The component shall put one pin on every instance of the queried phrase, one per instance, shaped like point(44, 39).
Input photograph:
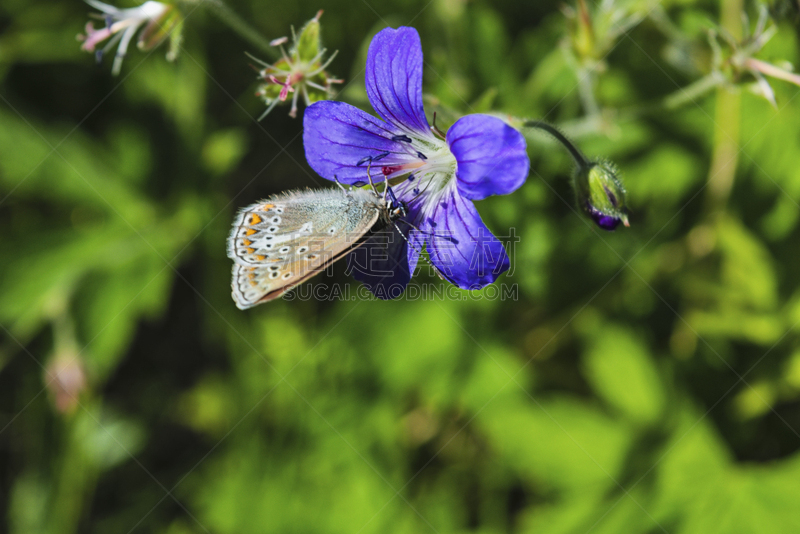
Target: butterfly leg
point(369, 177)
point(336, 179)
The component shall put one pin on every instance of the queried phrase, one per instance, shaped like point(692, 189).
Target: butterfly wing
point(282, 241)
point(385, 262)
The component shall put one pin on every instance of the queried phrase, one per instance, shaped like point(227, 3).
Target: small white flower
point(122, 24)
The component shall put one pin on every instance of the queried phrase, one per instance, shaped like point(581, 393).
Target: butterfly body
point(284, 240)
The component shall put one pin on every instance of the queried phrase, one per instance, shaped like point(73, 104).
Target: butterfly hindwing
point(278, 243)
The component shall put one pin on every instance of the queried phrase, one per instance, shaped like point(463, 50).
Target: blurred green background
point(646, 380)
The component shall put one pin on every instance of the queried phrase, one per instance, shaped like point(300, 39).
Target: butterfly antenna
point(414, 227)
point(419, 251)
point(399, 231)
point(432, 234)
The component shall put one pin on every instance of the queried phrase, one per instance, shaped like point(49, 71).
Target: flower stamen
point(286, 87)
point(435, 129)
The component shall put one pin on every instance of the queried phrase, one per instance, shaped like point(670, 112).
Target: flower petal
point(460, 246)
point(339, 140)
point(491, 156)
point(394, 79)
point(105, 8)
point(385, 262)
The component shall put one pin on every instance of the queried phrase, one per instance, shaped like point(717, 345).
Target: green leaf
point(561, 444)
point(622, 371)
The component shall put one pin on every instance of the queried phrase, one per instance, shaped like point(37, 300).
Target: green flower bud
point(308, 43)
point(300, 71)
point(65, 378)
point(600, 194)
point(735, 58)
point(598, 188)
point(581, 32)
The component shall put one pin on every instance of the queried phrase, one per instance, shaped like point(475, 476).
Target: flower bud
point(598, 189)
point(65, 378)
point(581, 32)
point(600, 194)
point(300, 71)
point(735, 58)
point(308, 43)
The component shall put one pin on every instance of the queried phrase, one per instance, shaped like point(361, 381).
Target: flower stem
point(237, 24)
point(586, 91)
point(600, 121)
point(574, 151)
point(685, 95)
point(772, 70)
point(693, 91)
point(725, 156)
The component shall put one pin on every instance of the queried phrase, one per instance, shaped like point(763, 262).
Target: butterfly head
point(396, 208)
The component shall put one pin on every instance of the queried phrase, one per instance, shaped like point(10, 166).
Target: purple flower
point(439, 177)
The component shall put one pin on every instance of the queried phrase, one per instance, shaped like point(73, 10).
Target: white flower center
point(433, 165)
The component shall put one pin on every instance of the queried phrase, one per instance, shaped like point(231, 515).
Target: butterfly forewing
point(280, 242)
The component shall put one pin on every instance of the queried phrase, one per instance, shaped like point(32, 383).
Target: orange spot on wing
point(250, 231)
point(250, 250)
point(247, 242)
point(267, 207)
point(255, 220)
point(260, 257)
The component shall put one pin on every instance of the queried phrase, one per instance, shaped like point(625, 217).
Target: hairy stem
point(727, 116)
point(586, 79)
point(577, 155)
point(237, 24)
point(693, 91)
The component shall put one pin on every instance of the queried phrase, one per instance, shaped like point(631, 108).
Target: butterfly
point(286, 239)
